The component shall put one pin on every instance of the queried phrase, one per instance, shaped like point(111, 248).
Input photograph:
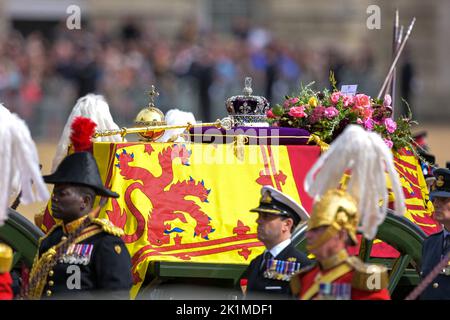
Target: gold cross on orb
point(153, 94)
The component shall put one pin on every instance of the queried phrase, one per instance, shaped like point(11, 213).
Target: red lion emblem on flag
point(168, 198)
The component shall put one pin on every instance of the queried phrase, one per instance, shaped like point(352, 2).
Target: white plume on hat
point(176, 117)
point(91, 106)
point(368, 158)
point(19, 164)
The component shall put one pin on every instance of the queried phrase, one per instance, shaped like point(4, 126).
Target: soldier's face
point(271, 228)
point(329, 247)
point(442, 210)
point(67, 202)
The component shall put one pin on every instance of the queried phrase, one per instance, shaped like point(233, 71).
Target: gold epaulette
point(108, 227)
point(6, 258)
point(368, 277)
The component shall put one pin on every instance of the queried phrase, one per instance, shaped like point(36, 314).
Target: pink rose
point(335, 97)
point(348, 100)
point(294, 100)
point(387, 100)
point(290, 102)
point(390, 125)
point(389, 143)
point(366, 113)
point(361, 100)
point(297, 112)
point(331, 112)
point(359, 121)
point(368, 124)
point(270, 114)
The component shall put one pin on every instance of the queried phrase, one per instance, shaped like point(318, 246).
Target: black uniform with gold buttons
point(85, 258)
point(439, 289)
point(96, 265)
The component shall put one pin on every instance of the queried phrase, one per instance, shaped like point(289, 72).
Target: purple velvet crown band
point(256, 135)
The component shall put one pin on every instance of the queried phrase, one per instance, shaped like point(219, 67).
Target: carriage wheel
point(404, 236)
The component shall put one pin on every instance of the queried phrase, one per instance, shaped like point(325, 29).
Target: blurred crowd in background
point(42, 75)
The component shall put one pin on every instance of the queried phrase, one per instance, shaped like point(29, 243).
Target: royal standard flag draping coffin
point(419, 208)
point(191, 202)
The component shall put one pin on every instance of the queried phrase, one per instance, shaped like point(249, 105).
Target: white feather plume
point(19, 164)
point(176, 117)
point(368, 158)
point(95, 108)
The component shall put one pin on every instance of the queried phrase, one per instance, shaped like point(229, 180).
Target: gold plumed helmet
point(360, 162)
point(151, 116)
point(338, 210)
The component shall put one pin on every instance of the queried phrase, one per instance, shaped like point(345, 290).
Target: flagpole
point(397, 56)
point(392, 79)
point(395, 46)
point(394, 50)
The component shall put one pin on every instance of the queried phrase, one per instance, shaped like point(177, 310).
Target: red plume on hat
point(83, 130)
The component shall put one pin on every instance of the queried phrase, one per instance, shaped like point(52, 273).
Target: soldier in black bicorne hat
point(82, 257)
point(268, 275)
point(437, 245)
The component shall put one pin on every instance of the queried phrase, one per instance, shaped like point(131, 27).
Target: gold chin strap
point(331, 231)
point(334, 260)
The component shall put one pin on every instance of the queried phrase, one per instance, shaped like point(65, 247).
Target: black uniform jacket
point(431, 256)
point(97, 265)
point(260, 287)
